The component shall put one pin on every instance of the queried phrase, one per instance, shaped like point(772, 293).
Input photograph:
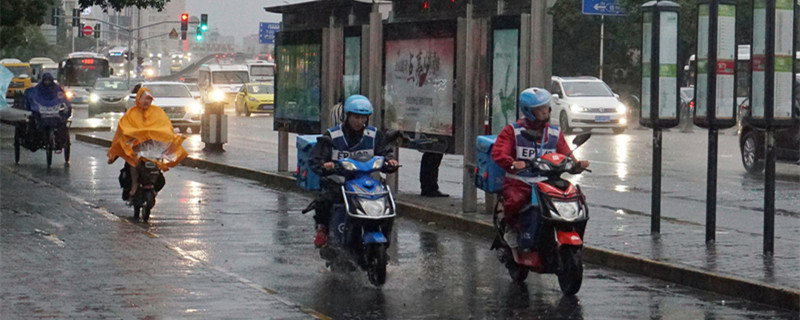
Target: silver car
point(108, 95)
point(177, 102)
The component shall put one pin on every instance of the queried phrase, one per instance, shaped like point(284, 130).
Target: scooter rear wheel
point(149, 202)
point(570, 273)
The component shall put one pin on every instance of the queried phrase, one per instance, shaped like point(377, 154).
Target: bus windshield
point(229, 77)
point(83, 72)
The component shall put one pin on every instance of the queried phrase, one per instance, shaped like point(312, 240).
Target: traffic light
point(76, 17)
point(204, 22)
point(184, 25)
point(97, 31)
point(199, 34)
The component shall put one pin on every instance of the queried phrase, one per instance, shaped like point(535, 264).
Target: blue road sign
point(266, 32)
point(602, 8)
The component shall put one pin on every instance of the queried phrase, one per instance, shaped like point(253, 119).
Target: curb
point(684, 275)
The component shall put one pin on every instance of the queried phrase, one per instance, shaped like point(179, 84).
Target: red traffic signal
point(184, 25)
point(184, 17)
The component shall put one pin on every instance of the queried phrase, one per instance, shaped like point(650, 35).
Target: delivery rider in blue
point(352, 138)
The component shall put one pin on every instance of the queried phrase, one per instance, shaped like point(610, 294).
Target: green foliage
point(118, 5)
point(20, 36)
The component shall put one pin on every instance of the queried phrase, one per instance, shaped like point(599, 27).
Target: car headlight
point(149, 72)
point(252, 99)
point(621, 108)
point(195, 108)
point(216, 95)
point(377, 164)
point(70, 94)
point(349, 166)
point(93, 98)
point(575, 108)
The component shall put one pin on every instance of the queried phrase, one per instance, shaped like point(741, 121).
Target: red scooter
point(561, 206)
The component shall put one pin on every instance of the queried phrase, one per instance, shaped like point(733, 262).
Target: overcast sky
point(236, 17)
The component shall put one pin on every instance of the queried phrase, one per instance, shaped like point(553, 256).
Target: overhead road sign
point(266, 32)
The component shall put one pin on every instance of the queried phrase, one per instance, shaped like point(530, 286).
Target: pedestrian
point(353, 137)
point(429, 174)
point(535, 106)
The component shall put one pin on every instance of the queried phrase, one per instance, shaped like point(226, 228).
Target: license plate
point(602, 118)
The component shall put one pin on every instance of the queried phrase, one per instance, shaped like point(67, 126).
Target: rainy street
point(228, 247)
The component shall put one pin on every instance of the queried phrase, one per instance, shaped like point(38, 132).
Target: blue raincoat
point(48, 103)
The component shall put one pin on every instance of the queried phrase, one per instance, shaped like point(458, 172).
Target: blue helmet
point(358, 104)
point(533, 98)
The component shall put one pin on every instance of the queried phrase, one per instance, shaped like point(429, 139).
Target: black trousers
point(429, 171)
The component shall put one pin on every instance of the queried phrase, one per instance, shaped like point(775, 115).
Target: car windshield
point(587, 89)
point(110, 85)
point(169, 91)
point(230, 77)
point(260, 89)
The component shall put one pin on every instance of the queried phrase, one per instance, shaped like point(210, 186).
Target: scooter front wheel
point(570, 273)
point(149, 200)
point(376, 268)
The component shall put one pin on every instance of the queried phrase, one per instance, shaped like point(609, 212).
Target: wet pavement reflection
point(259, 234)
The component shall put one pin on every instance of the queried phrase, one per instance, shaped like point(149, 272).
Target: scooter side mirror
point(532, 135)
point(581, 138)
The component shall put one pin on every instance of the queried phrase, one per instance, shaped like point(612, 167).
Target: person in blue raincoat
point(49, 107)
point(45, 99)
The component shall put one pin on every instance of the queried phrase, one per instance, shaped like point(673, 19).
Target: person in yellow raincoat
point(145, 123)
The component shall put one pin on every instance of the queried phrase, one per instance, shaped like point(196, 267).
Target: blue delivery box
point(488, 175)
point(306, 178)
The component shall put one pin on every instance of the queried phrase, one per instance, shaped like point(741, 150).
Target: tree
point(19, 27)
point(118, 5)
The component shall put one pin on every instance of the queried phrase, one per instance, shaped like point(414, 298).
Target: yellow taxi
point(21, 79)
point(255, 97)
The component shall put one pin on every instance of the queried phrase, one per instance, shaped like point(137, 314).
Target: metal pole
point(602, 34)
point(769, 112)
point(465, 90)
point(283, 151)
point(711, 191)
point(769, 193)
point(713, 133)
point(655, 218)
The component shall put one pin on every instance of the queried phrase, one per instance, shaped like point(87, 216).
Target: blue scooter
point(361, 226)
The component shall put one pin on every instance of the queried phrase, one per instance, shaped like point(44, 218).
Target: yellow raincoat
point(138, 125)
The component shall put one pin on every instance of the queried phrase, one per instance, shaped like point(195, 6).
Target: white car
point(174, 97)
point(587, 103)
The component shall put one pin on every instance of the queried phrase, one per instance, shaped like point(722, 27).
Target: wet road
point(259, 235)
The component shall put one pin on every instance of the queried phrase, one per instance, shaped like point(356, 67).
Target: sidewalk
point(733, 266)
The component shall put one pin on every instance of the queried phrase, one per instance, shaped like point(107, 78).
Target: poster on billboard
point(297, 102)
point(419, 80)
point(505, 65)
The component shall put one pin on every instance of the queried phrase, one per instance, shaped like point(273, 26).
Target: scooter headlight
point(567, 210)
point(70, 94)
point(373, 208)
point(349, 166)
point(544, 166)
point(377, 164)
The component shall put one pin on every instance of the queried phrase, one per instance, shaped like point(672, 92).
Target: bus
point(221, 82)
point(78, 72)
